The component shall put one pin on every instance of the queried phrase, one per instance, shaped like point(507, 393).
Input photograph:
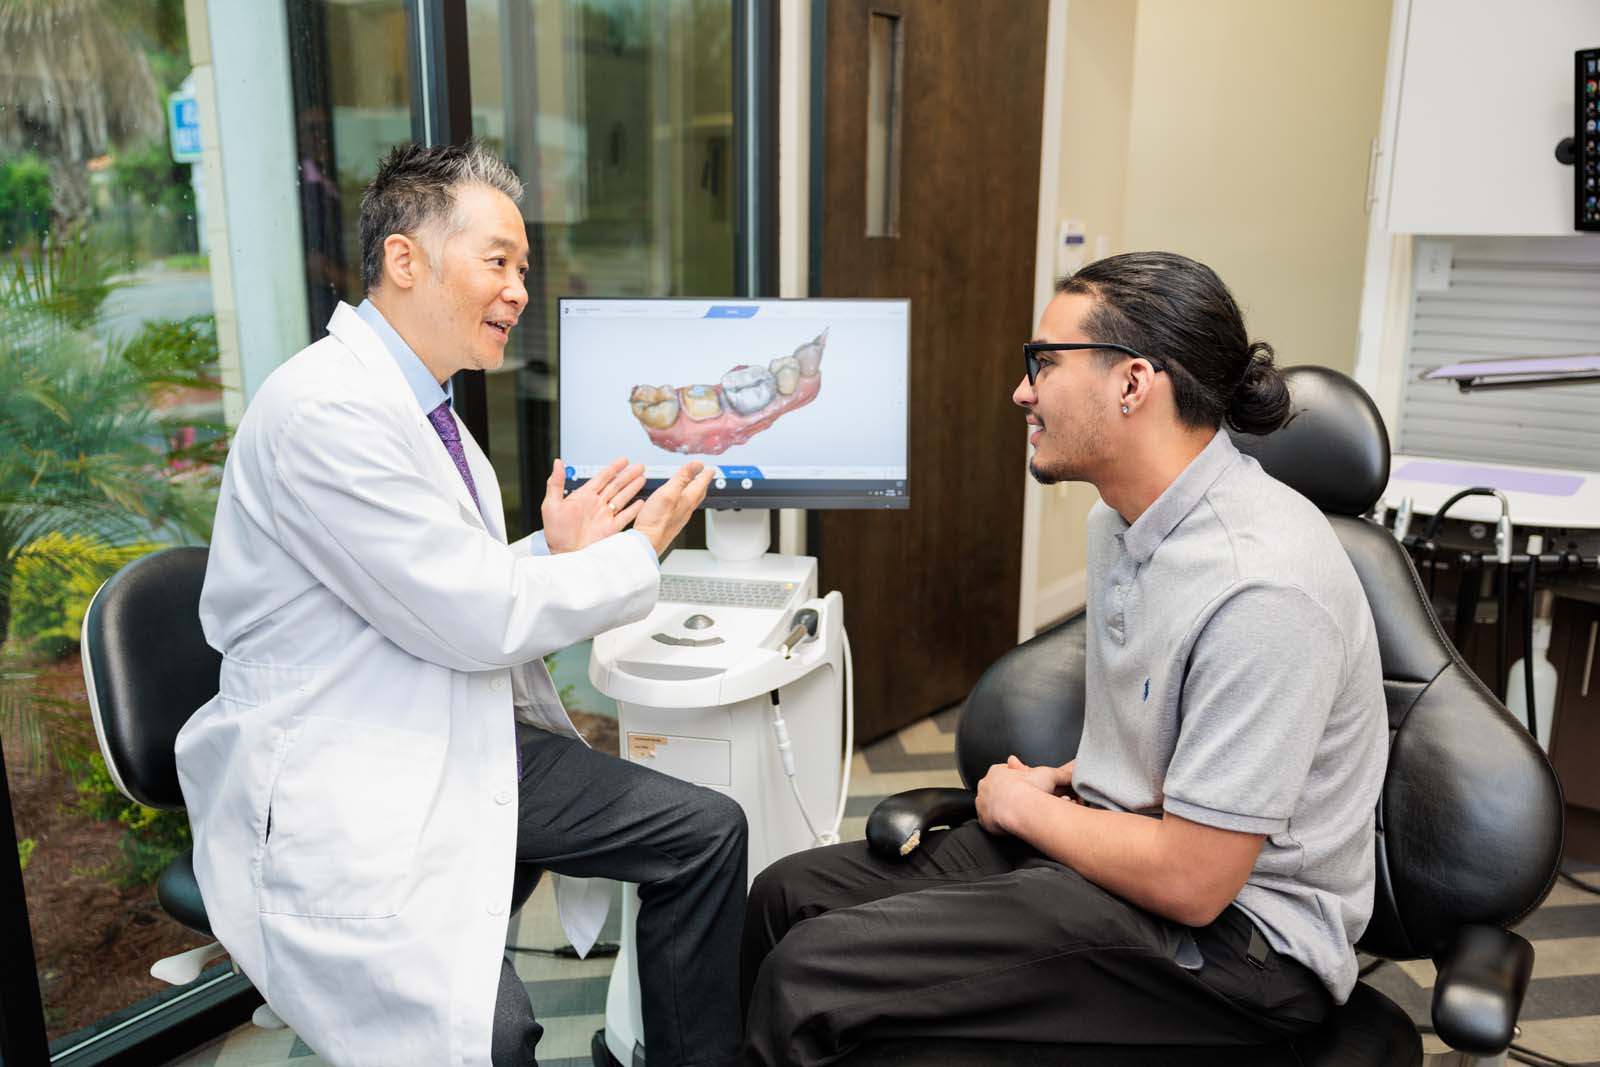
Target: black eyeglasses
point(1031, 350)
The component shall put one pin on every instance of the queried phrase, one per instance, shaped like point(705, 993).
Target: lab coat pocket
point(345, 818)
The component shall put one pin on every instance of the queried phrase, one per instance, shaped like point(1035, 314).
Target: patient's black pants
point(978, 936)
point(591, 815)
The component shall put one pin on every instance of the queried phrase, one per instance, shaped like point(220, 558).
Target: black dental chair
point(148, 668)
point(1469, 827)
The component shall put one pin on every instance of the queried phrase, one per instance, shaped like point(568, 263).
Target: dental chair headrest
point(1335, 451)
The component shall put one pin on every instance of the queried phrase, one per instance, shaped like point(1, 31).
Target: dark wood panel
point(931, 594)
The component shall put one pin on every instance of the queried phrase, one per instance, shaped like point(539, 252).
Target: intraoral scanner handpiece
point(805, 626)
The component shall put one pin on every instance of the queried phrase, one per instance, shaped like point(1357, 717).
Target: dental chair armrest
point(1479, 989)
point(896, 826)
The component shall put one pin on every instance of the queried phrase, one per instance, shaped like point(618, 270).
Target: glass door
point(620, 117)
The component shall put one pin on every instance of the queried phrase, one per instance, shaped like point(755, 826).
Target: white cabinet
point(1485, 93)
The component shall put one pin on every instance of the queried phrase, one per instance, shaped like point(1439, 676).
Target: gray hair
point(415, 187)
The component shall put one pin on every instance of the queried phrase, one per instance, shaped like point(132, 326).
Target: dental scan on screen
point(789, 396)
point(707, 420)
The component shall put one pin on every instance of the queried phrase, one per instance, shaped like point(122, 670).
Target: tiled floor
point(1560, 1018)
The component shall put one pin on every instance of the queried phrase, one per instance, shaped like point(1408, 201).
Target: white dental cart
point(693, 684)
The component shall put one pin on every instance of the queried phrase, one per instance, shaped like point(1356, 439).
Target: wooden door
point(931, 594)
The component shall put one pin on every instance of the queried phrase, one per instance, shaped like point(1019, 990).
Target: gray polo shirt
point(1233, 680)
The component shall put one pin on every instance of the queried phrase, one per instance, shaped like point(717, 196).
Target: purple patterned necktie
point(445, 426)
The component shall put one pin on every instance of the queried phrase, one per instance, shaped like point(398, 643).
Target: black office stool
point(1470, 821)
point(148, 668)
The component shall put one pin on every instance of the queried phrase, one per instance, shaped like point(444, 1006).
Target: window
point(619, 118)
point(111, 439)
point(150, 182)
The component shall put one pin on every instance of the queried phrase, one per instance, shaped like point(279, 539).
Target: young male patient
point(1209, 878)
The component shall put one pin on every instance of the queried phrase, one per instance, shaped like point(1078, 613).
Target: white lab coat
point(352, 787)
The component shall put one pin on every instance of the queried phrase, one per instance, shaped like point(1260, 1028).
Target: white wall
point(1238, 132)
point(1252, 128)
point(241, 67)
point(1091, 189)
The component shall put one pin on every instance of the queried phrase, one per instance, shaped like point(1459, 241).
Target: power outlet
point(1432, 264)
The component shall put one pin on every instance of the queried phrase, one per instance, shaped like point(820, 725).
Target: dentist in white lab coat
point(361, 786)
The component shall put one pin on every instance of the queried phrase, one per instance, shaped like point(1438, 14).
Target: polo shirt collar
point(429, 393)
point(1176, 502)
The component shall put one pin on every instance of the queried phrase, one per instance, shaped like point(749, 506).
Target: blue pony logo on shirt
point(1146, 690)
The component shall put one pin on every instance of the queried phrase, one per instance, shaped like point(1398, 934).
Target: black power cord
point(1520, 1053)
point(601, 950)
point(1524, 1054)
point(1569, 877)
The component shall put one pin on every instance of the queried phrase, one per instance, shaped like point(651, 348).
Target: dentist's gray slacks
point(590, 815)
point(978, 936)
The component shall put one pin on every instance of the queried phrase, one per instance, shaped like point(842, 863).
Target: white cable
point(816, 838)
point(849, 735)
point(780, 732)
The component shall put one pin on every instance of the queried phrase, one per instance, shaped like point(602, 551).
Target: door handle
point(885, 78)
point(1371, 197)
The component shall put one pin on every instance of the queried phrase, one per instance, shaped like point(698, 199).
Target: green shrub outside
point(152, 212)
point(188, 261)
point(101, 445)
point(171, 349)
point(49, 597)
point(151, 838)
point(24, 200)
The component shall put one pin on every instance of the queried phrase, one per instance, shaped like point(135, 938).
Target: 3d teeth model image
point(707, 420)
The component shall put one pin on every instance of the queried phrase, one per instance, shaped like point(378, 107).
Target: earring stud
point(1124, 409)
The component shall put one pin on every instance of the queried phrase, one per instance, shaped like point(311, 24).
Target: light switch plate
point(1070, 247)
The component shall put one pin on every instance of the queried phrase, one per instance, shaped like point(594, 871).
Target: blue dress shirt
point(430, 394)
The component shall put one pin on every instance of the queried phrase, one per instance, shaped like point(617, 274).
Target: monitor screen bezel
point(809, 495)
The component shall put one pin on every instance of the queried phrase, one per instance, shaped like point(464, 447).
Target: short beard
point(1087, 447)
point(1045, 476)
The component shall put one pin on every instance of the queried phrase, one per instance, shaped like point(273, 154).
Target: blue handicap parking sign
point(183, 127)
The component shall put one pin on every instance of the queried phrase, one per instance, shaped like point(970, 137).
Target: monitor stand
point(737, 547)
point(738, 536)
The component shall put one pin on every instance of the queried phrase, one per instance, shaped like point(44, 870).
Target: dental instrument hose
point(1437, 517)
point(1535, 546)
point(1502, 550)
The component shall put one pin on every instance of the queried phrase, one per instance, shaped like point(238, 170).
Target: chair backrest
point(148, 668)
point(1470, 817)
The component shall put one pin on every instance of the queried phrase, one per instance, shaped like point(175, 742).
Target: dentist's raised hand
point(602, 506)
point(670, 506)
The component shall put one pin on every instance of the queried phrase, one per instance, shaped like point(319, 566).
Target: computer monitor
point(797, 403)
